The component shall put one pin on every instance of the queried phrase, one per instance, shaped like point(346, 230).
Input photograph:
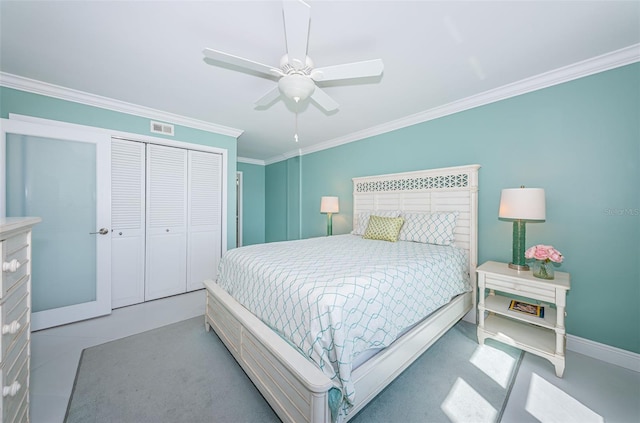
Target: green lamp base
point(519, 231)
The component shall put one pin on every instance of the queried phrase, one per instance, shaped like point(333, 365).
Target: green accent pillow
point(362, 219)
point(383, 228)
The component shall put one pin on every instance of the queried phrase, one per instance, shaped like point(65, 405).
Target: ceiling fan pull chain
point(295, 137)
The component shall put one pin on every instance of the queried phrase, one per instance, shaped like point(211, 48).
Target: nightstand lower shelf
point(500, 305)
point(534, 339)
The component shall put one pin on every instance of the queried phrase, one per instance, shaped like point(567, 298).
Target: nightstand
point(545, 336)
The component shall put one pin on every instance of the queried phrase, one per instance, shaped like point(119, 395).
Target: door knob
point(102, 231)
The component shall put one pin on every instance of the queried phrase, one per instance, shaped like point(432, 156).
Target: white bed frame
point(295, 387)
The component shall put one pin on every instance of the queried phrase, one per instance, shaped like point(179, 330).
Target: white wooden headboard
point(445, 189)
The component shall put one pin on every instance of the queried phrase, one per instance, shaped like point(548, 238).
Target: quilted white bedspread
point(334, 297)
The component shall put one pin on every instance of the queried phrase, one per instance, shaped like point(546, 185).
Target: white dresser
point(15, 316)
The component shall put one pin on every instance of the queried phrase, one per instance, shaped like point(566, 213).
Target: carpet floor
point(181, 373)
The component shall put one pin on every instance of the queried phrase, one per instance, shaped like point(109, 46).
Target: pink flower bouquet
point(544, 253)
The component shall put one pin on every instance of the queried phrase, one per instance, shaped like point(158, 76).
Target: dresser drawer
point(14, 310)
point(14, 266)
point(510, 286)
point(15, 389)
point(16, 353)
point(15, 243)
point(15, 377)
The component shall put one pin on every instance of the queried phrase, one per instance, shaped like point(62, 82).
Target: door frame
point(102, 304)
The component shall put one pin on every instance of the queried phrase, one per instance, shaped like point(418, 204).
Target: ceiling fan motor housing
point(295, 65)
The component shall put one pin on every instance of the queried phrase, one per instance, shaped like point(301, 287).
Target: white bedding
point(335, 297)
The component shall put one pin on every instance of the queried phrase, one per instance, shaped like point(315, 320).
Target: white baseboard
point(619, 357)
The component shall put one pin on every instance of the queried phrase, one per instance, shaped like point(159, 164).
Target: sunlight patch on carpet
point(548, 403)
point(496, 364)
point(464, 404)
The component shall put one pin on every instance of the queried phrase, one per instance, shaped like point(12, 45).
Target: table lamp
point(329, 205)
point(521, 205)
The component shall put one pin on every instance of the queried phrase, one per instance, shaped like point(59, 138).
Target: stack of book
point(526, 308)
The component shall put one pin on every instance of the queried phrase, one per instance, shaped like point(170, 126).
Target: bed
point(305, 379)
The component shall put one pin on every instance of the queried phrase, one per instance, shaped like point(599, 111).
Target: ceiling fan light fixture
point(296, 87)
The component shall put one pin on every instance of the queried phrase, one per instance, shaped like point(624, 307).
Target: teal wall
point(282, 188)
point(276, 203)
point(580, 141)
point(253, 205)
point(24, 103)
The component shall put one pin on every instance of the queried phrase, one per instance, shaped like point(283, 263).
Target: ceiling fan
point(296, 75)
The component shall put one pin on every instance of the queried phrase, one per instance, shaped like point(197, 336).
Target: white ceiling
point(149, 53)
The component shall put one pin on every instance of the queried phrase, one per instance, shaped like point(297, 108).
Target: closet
point(166, 220)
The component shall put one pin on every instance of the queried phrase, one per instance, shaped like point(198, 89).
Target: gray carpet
point(180, 373)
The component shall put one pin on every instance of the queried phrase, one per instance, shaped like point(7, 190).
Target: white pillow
point(362, 219)
point(429, 228)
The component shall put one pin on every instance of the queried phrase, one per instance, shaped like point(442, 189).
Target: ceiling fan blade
point(241, 62)
point(296, 29)
point(323, 100)
point(348, 70)
point(268, 98)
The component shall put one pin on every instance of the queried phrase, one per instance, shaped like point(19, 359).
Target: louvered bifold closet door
point(166, 221)
point(205, 217)
point(127, 222)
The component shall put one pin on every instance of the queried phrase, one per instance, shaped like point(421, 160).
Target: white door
point(63, 176)
point(205, 218)
point(166, 252)
point(127, 222)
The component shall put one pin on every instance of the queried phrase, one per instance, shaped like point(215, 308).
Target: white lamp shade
point(329, 205)
point(523, 204)
point(296, 87)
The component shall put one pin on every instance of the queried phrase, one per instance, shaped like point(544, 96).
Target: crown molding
point(285, 156)
point(250, 161)
point(50, 90)
point(608, 61)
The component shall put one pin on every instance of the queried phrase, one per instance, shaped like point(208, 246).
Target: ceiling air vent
point(162, 128)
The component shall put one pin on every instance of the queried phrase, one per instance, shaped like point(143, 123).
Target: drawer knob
point(11, 390)
point(11, 328)
point(11, 266)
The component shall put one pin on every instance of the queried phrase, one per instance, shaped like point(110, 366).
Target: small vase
point(542, 269)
